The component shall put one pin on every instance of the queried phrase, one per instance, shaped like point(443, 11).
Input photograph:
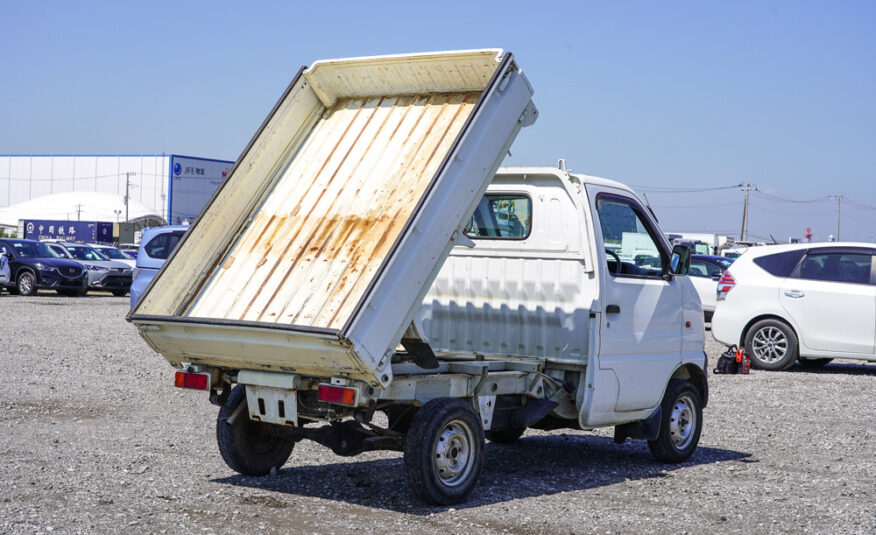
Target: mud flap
point(647, 429)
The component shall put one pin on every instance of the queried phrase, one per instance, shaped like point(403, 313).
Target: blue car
point(34, 266)
point(156, 244)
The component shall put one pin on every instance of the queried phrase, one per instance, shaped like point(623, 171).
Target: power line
point(771, 197)
point(776, 212)
point(698, 205)
point(657, 189)
point(856, 204)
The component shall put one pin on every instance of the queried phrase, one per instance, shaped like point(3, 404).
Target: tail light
point(338, 395)
point(195, 381)
point(725, 284)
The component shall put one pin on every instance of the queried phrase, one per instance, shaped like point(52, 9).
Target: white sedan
point(812, 302)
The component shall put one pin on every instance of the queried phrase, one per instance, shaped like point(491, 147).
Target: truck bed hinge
point(420, 351)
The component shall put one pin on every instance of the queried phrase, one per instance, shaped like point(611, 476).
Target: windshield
point(114, 254)
point(85, 253)
point(25, 249)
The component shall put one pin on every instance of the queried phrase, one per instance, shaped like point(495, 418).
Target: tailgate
point(319, 247)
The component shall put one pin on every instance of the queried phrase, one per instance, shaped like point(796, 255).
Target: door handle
point(796, 294)
point(612, 309)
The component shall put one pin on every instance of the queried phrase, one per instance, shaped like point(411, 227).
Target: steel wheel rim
point(25, 285)
point(682, 422)
point(453, 456)
point(769, 344)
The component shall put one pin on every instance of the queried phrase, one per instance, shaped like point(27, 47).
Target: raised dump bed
point(316, 252)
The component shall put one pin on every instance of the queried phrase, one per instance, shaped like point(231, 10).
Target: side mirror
point(679, 263)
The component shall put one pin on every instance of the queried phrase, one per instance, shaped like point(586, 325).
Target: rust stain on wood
point(334, 213)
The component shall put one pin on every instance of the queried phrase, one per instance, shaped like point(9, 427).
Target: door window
point(836, 267)
point(628, 239)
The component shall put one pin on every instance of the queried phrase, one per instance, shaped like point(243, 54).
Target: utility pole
point(839, 199)
point(128, 176)
point(746, 187)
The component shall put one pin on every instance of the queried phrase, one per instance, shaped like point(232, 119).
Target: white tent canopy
point(78, 206)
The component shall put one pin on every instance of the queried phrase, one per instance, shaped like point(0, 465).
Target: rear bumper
point(728, 323)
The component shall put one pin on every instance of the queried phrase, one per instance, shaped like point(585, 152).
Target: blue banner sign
point(81, 231)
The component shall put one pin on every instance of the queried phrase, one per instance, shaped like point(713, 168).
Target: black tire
point(814, 364)
point(681, 423)
point(120, 293)
point(27, 283)
point(444, 451)
point(771, 345)
point(505, 436)
point(247, 446)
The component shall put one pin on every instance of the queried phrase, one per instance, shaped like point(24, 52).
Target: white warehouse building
point(176, 187)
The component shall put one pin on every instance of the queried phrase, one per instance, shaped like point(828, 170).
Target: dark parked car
point(33, 266)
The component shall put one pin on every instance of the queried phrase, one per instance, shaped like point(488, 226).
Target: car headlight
point(96, 268)
point(44, 267)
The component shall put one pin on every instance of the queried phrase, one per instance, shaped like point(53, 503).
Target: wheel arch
point(697, 376)
point(25, 269)
point(762, 317)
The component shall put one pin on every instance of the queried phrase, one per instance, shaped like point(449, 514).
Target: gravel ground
point(95, 439)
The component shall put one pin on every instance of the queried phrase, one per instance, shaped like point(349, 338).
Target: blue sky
point(658, 95)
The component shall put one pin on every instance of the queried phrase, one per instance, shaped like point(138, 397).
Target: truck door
point(642, 312)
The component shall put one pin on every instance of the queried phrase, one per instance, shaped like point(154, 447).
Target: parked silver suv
point(103, 273)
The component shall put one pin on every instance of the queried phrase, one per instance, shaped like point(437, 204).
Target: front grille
point(68, 271)
point(117, 281)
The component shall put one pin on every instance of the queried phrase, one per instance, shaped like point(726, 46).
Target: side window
point(162, 245)
point(501, 217)
point(836, 267)
point(628, 239)
point(780, 264)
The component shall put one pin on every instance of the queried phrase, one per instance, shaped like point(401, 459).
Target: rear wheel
point(444, 451)
point(247, 446)
point(772, 345)
point(26, 283)
point(681, 423)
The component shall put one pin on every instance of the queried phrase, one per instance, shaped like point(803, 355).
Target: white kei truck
point(367, 255)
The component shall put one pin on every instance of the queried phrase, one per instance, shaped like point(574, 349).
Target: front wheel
point(772, 345)
point(681, 423)
point(444, 451)
point(247, 446)
point(27, 283)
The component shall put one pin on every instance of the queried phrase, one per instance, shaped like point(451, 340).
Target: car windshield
point(114, 254)
point(25, 249)
point(85, 253)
